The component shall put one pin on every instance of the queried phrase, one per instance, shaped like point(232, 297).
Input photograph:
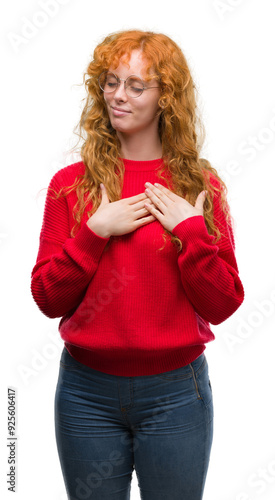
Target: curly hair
point(180, 128)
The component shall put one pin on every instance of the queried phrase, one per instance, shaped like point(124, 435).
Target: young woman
point(137, 256)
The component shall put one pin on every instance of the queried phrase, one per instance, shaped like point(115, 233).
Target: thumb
point(104, 198)
point(200, 201)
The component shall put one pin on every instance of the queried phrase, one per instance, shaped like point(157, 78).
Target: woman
point(137, 256)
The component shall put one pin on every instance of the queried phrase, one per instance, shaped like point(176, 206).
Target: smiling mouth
point(120, 111)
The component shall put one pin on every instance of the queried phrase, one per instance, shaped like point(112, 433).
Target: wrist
point(98, 230)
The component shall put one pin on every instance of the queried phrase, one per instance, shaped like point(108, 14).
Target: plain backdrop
point(45, 49)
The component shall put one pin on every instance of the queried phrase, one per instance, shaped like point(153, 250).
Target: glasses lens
point(134, 86)
point(107, 82)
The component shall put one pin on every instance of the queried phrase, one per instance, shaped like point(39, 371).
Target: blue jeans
point(107, 425)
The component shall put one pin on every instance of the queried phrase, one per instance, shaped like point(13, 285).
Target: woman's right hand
point(119, 217)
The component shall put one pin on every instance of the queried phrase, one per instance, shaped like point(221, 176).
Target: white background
point(230, 48)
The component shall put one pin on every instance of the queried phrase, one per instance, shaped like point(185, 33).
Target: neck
point(140, 147)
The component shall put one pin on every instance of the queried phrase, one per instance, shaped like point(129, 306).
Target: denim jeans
point(108, 425)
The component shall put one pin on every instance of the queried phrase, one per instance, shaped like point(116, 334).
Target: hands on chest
point(169, 208)
point(126, 215)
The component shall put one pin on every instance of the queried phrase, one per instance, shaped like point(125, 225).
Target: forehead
point(132, 64)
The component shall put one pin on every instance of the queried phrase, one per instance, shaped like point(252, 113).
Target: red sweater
point(133, 310)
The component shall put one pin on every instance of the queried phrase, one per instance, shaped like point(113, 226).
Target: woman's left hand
point(169, 208)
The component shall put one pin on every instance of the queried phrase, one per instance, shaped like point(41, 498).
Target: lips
point(120, 111)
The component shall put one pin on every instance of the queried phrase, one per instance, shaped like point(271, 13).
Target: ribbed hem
point(137, 363)
point(191, 228)
point(89, 243)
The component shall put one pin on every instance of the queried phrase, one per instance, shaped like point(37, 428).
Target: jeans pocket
point(184, 372)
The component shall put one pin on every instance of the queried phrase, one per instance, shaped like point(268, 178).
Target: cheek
point(151, 104)
point(151, 109)
point(106, 99)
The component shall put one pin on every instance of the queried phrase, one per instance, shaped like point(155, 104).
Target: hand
point(119, 217)
point(169, 208)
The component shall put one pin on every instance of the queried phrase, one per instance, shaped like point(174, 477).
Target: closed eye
point(111, 85)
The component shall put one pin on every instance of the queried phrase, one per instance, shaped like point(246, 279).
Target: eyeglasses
point(133, 85)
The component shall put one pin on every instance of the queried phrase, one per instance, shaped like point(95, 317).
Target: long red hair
point(180, 128)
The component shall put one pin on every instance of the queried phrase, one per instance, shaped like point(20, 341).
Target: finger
point(140, 205)
point(104, 194)
point(155, 199)
point(154, 211)
point(200, 201)
point(165, 191)
point(149, 218)
point(141, 212)
point(136, 198)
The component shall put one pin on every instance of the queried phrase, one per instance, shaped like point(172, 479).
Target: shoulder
point(217, 189)
point(218, 193)
point(214, 181)
point(211, 175)
point(66, 176)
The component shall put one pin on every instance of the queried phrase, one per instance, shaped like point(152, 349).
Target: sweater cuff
point(89, 243)
point(192, 229)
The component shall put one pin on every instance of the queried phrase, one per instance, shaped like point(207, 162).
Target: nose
point(120, 93)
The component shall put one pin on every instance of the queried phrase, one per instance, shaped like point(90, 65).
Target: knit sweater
point(128, 308)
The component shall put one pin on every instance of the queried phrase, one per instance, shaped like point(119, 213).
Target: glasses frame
point(119, 80)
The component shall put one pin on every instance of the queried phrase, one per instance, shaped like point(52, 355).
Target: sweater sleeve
point(209, 271)
point(64, 265)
